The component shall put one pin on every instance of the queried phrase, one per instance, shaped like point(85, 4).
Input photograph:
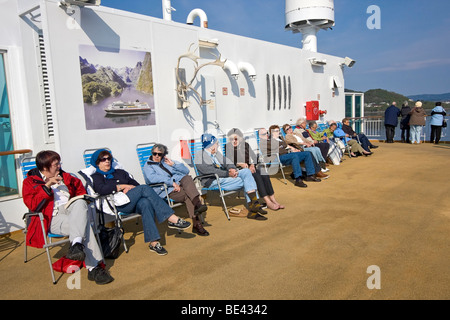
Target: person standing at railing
point(391, 121)
point(437, 121)
point(404, 123)
point(416, 122)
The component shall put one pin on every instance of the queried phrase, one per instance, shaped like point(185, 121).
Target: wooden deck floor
point(390, 210)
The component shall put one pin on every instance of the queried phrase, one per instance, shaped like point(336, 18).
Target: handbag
point(110, 238)
point(444, 124)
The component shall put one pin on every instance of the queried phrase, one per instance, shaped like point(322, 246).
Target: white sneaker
point(325, 170)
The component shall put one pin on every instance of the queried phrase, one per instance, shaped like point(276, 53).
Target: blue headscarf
point(94, 158)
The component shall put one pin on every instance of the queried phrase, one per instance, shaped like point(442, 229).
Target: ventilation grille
point(47, 104)
point(278, 90)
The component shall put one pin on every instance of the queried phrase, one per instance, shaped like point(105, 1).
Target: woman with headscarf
point(142, 198)
point(180, 186)
point(244, 157)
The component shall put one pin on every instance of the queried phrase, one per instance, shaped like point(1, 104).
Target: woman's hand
point(168, 161)
point(124, 187)
point(233, 173)
point(176, 187)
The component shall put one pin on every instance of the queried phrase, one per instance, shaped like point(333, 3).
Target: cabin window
point(8, 177)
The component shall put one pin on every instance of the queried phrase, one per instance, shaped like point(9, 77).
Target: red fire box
point(312, 110)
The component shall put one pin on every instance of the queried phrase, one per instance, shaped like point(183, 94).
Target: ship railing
point(373, 128)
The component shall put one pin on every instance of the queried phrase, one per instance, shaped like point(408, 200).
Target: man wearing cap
point(210, 161)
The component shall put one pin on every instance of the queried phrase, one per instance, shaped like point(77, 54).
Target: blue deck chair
point(195, 146)
point(26, 165)
point(144, 151)
point(106, 202)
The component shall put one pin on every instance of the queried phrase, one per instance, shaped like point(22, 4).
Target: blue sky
point(409, 54)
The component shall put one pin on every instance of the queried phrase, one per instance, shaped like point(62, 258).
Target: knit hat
point(418, 104)
point(235, 131)
point(208, 140)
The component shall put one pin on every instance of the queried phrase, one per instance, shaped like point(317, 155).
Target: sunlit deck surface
point(391, 210)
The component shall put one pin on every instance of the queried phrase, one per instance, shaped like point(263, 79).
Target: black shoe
point(180, 225)
point(300, 183)
point(374, 147)
point(312, 178)
point(76, 252)
point(256, 216)
point(158, 248)
point(99, 275)
point(200, 209)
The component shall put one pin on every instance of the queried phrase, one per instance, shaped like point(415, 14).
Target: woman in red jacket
point(48, 189)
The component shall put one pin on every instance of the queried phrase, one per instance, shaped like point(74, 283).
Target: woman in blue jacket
point(437, 120)
point(180, 186)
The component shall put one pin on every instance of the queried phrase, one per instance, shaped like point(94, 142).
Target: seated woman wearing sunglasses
point(143, 198)
point(180, 186)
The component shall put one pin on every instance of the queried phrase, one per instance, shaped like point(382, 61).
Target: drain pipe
point(167, 10)
point(232, 68)
point(247, 67)
point(198, 13)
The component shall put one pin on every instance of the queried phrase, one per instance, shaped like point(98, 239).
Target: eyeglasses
point(263, 134)
point(105, 159)
point(159, 154)
point(55, 165)
point(276, 130)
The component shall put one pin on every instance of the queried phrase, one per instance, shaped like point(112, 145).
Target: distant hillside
point(377, 100)
point(380, 96)
point(432, 97)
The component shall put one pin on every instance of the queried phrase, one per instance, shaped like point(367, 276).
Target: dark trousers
point(435, 134)
point(264, 184)
point(188, 192)
point(405, 133)
point(390, 132)
point(365, 143)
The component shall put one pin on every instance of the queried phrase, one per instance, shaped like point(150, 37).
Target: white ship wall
point(166, 41)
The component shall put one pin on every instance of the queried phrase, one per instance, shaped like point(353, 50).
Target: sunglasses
point(106, 159)
point(159, 154)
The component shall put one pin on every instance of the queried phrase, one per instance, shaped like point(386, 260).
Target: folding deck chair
point(269, 161)
point(195, 146)
point(105, 204)
point(144, 151)
point(26, 165)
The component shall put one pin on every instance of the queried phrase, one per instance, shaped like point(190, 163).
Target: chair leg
point(50, 264)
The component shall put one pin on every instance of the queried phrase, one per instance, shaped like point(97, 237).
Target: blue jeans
point(244, 179)
point(294, 158)
point(415, 133)
point(145, 201)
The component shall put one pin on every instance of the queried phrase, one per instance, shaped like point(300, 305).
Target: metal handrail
point(10, 152)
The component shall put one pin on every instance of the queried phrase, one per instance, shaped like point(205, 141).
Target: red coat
point(34, 193)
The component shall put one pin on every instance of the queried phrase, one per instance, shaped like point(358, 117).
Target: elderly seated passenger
point(50, 185)
point(302, 143)
point(356, 148)
point(289, 156)
point(366, 144)
point(180, 186)
point(140, 198)
point(210, 161)
point(244, 157)
point(300, 131)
